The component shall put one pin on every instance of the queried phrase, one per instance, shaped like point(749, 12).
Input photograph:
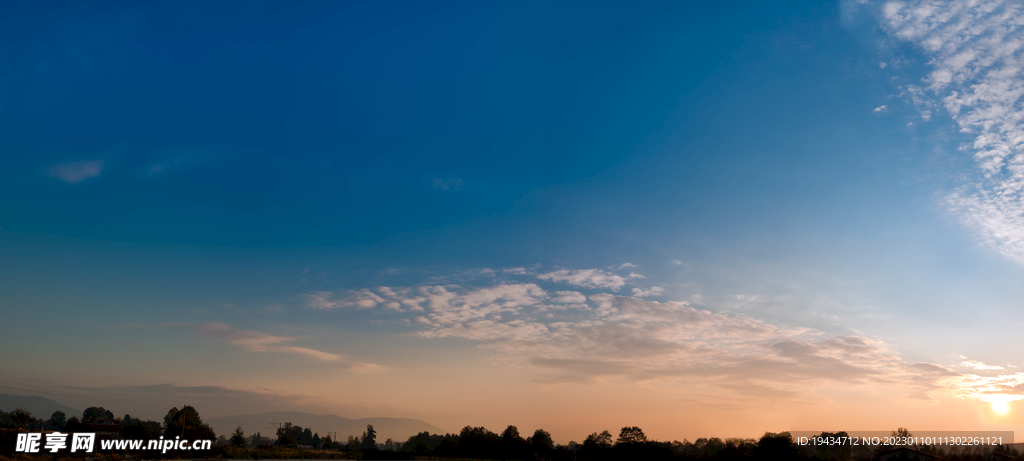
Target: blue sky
point(189, 177)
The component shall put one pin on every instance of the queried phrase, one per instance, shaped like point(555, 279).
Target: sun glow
point(1001, 407)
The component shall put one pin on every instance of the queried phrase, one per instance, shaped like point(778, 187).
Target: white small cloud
point(75, 172)
point(570, 297)
point(654, 291)
point(451, 183)
point(590, 278)
point(883, 65)
point(626, 266)
point(980, 366)
point(880, 109)
point(677, 262)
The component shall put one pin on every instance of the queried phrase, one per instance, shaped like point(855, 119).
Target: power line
point(76, 396)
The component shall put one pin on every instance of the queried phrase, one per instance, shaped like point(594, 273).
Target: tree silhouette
point(58, 420)
point(631, 435)
point(187, 424)
point(513, 445)
point(286, 435)
point(900, 436)
point(842, 451)
point(604, 439)
point(238, 437)
point(94, 415)
point(22, 418)
point(136, 428)
point(511, 433)
point(478, 442)
point(596, 446)
point(369, 438)
point(774, 446)
point(542, 444)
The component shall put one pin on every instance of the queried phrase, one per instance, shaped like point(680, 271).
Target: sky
point(700, 218)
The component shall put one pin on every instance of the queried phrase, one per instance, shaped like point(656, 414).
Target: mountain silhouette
point(40, 407)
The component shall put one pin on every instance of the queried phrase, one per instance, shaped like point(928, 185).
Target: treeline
point(184, 422)
point(632, 444)
point(292, 441)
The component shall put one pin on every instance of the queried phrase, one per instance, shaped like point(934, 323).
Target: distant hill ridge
point(399, 429)
point(40, 407)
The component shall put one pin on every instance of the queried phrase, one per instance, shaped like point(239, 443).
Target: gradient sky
point(704, 219)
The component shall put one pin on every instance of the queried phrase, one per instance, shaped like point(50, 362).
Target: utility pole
point(183, 421)
point(278, 433)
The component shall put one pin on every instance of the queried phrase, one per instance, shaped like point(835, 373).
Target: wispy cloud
point(880, 109)
point(327, 300)
point(75, 172)
point(451, 183)
point(257, 341)
point(975, 50)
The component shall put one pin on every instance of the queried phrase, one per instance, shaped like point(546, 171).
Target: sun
point(1001, 407)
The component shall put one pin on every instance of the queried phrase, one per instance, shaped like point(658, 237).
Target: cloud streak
point(76, 172)
point(257, 341)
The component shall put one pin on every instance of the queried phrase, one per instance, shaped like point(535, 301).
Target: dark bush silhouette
point(772, 447)
point(187, 424)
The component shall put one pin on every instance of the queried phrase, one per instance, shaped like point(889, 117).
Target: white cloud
point(1000, 388)
point(570, 297)
point(75, 172)
point(980, 366)
point(589, 278)
point(882, 108)
point(626, 266)
point(566, 336)
point(975, 53)
point(677, 262)
point(654, 291)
